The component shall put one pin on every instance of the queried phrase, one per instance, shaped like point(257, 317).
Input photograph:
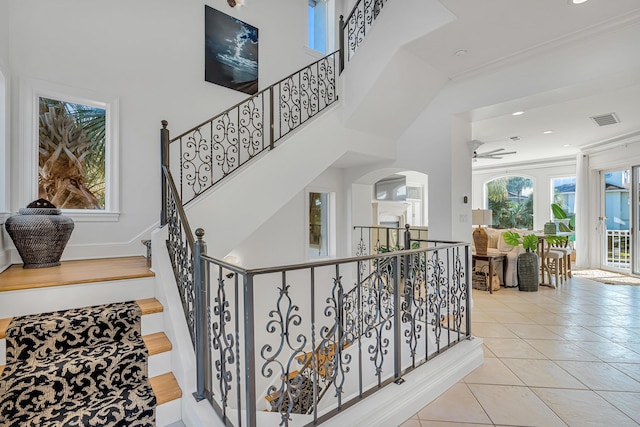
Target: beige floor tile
point(527, 307)
point(600, 376)
point(542, 373)
point(494, 330)
point(562, 350)
point(576, 333)
point(548, 318)
point(513, 348)
point(514, 406)
point(631, 369)
point(629, 403)
point(482, 316)
point(493, 371)
point(451, 424)
point(487, 353)
point(617, 334)
point(610, 352)
point(583, 408)
point(533, 332)
point(509, 318)
point(413, 422)
point(456, 404)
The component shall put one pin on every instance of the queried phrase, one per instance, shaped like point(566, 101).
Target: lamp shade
point(481, 217)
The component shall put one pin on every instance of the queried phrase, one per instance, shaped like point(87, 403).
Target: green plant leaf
point(564, 227)
point(511, 238)
point(530, 242)
point(558, 212)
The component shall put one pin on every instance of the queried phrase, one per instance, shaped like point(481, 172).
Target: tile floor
point(566, 357)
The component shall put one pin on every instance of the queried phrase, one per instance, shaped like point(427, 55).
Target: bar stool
point(566, 251)
point(555, 264)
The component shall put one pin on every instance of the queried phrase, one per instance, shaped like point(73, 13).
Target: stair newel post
point(201, 284)
point(341, 36)
point(271, 119)
point(397, 368)
point(164, 163)
point(467, 277)
point(249, 351)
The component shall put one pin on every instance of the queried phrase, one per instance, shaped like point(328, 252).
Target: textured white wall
point(149, 54)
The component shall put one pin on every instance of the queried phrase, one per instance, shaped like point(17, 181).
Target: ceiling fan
point(493, 154)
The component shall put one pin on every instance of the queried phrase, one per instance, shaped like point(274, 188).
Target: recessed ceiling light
point(577, 1)
point(461, 52)
point(517, 113)
point(547, 131)
point(567, 145)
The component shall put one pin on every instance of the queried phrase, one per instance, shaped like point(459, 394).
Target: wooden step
point(157, 343)
point(166, 388)
point(74, 272)
point(148, 306)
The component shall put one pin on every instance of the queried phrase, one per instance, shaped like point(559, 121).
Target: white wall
point(149, 54)
point(281, 238)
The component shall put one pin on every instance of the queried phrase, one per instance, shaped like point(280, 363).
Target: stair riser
point(168, 413)
point(152, 323)
point(44, 300)
point(159, 364)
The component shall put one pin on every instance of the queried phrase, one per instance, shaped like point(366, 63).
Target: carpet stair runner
point(82, 367)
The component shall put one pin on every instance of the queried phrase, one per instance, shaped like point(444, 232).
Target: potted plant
point(528, 280)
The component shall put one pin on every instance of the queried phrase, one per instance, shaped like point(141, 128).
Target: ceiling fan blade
point(493, 154)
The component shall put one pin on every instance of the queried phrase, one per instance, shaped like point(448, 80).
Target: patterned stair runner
point(79, 367)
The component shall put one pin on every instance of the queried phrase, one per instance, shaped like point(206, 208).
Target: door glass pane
point(617, 187)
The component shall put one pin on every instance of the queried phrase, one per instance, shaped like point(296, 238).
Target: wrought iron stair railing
point(214, 149)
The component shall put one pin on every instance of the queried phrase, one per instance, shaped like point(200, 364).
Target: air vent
point(514, 138)
point(606, 119)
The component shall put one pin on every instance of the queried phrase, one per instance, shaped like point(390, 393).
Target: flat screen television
point(392, 188)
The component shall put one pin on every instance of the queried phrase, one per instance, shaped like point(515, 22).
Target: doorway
point(615, 219)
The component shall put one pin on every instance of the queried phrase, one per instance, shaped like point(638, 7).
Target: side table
point(491, 259)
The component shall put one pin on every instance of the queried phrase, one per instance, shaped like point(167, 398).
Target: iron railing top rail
point(181, 213)
point(193, 129)
point(329, 262)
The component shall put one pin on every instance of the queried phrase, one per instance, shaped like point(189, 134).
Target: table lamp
point(481, 217)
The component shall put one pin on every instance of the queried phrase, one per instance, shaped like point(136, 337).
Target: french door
point(617, 220)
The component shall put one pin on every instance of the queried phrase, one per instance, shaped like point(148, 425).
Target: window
point(71, 162)
point(563, 193)
point(511, 201)
point(321, 216)
point(70, 155)
point(320, 25)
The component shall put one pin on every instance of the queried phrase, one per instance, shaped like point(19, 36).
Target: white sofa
point(497, 245)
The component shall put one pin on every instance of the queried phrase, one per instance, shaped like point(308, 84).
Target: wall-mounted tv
point(392, 188)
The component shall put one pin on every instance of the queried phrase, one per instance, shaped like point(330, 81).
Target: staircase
point(77, 284)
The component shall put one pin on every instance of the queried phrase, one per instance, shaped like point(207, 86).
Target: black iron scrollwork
point(222, 341)
point(283, 319)
point(182, 262)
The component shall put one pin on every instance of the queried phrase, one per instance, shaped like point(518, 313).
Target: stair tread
point(147, 305)
point(74, 272)
point(166, 388)
point(157, 343)
point(150, 306)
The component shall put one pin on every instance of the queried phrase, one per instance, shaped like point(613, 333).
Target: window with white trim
point(320, 25)
point(71, 147)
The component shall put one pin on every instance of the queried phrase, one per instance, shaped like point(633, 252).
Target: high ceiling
point(489, 33)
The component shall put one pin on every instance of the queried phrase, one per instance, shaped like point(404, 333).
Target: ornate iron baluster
point(284, 318)
point(222, 341)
